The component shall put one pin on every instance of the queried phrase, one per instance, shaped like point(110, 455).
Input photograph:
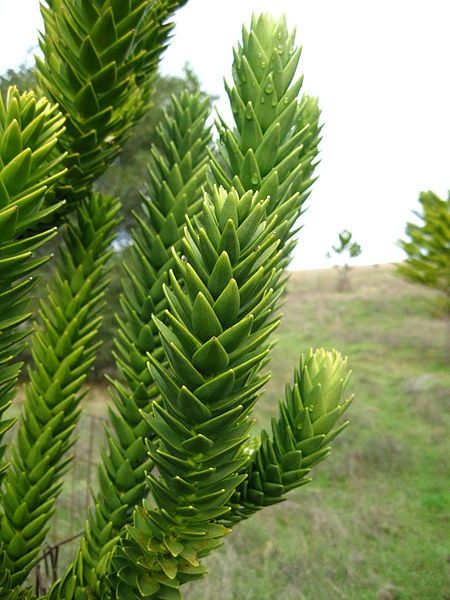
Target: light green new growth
point(300, 436)
point(216, 339)
point(204, 275)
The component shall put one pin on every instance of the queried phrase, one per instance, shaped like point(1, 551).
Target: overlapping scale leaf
point(63, 349)
point(177, 173)
point(273, 145)
point(214, 341)
point(29, 167)
point(99, 60)
point(7, 591)
point(307, 423)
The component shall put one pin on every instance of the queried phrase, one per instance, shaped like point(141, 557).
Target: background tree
point(126, 177)
point(348, 249)
point(23, 78)
point(428, 248)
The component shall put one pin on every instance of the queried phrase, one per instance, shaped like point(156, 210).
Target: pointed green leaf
point(204, 320)
point(211, 358)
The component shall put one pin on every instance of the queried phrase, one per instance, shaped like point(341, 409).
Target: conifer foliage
point(63, 349)
point(177, 172)
point(273, 143)
point(99, 61)
point(203, 279)
point(29, 168)
point(215, 344)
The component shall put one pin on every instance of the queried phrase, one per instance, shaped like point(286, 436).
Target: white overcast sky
point(381, 71)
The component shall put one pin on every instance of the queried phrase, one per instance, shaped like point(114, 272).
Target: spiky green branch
point(274, 144)
point(63, 350)
point(216, 338)
point(7, 591)
point(227, 292)
point(29, 130)
point(300, 435)
point(99, 61)
point(177, 172)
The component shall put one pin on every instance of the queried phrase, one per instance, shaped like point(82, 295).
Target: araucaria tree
point(428, 248)
point(348, 249)
point(201, 295)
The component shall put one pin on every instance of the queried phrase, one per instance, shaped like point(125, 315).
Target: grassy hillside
point(374, 522)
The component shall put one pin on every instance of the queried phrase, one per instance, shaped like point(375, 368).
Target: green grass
point(374, 522)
